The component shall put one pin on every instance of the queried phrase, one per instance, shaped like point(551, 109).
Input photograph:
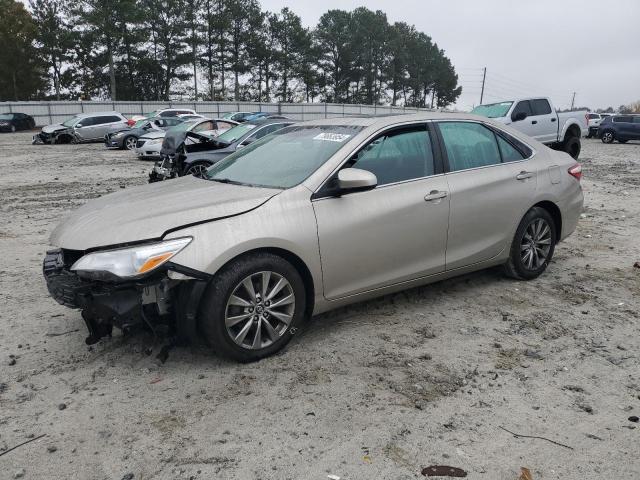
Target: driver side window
point(400, 155)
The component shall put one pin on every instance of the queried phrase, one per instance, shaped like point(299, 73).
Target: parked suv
point(85, 127)
point(593, 121)
point(619, 127)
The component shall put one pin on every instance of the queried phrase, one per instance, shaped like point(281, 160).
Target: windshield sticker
point(332, 137)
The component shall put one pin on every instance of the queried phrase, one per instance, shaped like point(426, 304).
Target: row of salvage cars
point(288, 220)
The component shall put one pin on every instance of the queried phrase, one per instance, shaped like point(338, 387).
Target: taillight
point(576, 171)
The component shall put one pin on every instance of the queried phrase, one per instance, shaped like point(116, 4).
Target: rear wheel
point(571, 145)
point(130, 143)
point(533, 245)
point(608, 137)
point(198, 169)
point(252, 307)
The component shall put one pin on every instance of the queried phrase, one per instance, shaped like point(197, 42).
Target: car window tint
point(508, 151)
point(541, 106)
point(593, 116)
point(397, 156)
point(469, 145)
point(626, 119)
point(636, 119)
point(169, 114)
point(523, 106)
point(88, 121)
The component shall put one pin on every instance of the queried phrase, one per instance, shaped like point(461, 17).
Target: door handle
point(553, 119)
point(434, 195)
point(533, 122)
point(524, 175)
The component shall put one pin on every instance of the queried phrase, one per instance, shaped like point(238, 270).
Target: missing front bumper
point(160, 303)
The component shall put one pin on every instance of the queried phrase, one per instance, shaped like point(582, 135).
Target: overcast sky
point(541, 47)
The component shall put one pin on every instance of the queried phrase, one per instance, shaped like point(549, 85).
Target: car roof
point(391, 119)
point(97, 114)
point(268, 121)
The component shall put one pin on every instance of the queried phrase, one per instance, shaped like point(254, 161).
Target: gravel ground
point(380, 390)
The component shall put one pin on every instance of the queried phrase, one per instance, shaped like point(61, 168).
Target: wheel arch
point(572, 131)
point(294, 260)
point(555, 213)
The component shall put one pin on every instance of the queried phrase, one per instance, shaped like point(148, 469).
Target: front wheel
point(198, 169)
point(608, 137)
point(533, 245)
point(129, 143)
point(252, 308)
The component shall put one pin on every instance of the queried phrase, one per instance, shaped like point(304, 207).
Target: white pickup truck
point(537, 118)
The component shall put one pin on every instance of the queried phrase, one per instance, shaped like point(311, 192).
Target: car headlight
point(132, 261)
point(154, 141)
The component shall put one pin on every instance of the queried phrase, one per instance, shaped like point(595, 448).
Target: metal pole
point(573, 100)
point(484, 77)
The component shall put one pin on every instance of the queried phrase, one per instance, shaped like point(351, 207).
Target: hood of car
point(148, 211)
point(54, 127)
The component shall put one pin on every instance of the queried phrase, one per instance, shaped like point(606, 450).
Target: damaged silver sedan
point(315, 216)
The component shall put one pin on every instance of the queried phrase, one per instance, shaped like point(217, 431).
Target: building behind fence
point(46, 113)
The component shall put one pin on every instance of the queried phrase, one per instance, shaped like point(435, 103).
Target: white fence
point(46, 113)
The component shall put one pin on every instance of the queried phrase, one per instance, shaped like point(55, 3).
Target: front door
point(492, 186)
point(393, 233)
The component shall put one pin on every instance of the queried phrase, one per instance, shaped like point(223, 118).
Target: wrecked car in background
point(315, 216)
point(193, 153)
point(126, 138)
point(86, 127)
point(151, 143)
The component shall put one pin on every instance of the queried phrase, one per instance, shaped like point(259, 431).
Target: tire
point(608, 136)
point(13, 128)
point(129, 143)
point(197, 169)
point(522, 266)
point(571, 145)
point(239, 340)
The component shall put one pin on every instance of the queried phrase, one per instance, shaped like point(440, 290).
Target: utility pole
point(484, 77)
point(573, 100)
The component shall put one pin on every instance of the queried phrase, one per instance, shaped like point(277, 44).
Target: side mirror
point(518, 117)
point(355, 180)
point(78, 125)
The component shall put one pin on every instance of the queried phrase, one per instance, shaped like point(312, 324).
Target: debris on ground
point(525, 474)
point(443, 471)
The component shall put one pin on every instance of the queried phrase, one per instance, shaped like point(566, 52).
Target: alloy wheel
point(197, 171)
point(607, 137)
point(130, 143)
point(535, 244)
point(260, 310)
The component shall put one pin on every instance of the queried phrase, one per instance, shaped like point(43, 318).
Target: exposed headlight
point(133, 261)
point(117, 134)
point(154, 141)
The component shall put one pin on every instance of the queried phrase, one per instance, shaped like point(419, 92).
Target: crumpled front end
point(164, 302)
point(55, 136)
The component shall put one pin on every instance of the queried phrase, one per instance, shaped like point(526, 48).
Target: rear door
point(397, 231)
point(625, 127)
point(544, 121)
point(492, 184)
point(636, 127)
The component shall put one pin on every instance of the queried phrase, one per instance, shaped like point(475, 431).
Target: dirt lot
point(375, 391)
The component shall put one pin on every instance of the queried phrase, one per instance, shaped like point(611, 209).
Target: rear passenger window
point(628, 119)
point(508, 151)
point(540, 107)
point(397, 156)
point(469, 145)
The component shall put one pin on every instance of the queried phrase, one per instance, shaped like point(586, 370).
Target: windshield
point(283, 159)
point(235, 133)
point(71, 122)
point(493, 110)
point(6, 116)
